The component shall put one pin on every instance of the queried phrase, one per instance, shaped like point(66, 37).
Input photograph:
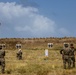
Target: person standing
point(65, 55)
point(19, 54)
point(2, 60)
point(72, 54)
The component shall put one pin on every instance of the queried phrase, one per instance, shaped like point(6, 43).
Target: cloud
point(24, 21)
point(19, 21)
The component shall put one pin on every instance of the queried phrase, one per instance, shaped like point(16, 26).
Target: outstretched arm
point(61, 51)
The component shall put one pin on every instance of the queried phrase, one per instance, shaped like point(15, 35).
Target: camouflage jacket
point(2, 53)
point(65, 53)
point(72, 51)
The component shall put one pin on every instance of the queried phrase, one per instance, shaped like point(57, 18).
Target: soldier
point(72, 55)
point(65, 55)
point(19, 54)
point(2, 59)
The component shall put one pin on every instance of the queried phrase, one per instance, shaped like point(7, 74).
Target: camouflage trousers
point(72, 58)
point(2, 64)
point(66, 61)
point(19, 56)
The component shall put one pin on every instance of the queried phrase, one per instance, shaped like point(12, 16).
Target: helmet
point(65, 45)
point(71, 44)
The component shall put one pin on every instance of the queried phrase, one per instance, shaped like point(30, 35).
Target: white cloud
point(21, 21)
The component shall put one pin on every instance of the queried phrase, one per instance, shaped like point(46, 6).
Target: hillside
point(36, 42)
point(34, 61)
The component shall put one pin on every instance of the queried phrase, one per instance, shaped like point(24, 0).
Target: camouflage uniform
point(72, 55)
point(2, 60)
point(19, 54)
point(65, 56)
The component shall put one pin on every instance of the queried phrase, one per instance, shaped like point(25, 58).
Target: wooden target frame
point(50, 45)
point(18, 46)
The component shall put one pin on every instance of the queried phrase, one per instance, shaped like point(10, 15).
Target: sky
point(37, 18)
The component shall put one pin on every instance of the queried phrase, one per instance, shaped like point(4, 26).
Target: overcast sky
point(37, 18)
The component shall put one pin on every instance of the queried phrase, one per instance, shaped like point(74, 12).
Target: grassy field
point(34, 62)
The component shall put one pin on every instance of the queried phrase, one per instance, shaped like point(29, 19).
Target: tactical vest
point(66, 51)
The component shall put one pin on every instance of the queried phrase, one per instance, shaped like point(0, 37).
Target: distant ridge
point(35, 42)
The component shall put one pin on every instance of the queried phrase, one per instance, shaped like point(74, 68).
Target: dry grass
point(34, 63)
